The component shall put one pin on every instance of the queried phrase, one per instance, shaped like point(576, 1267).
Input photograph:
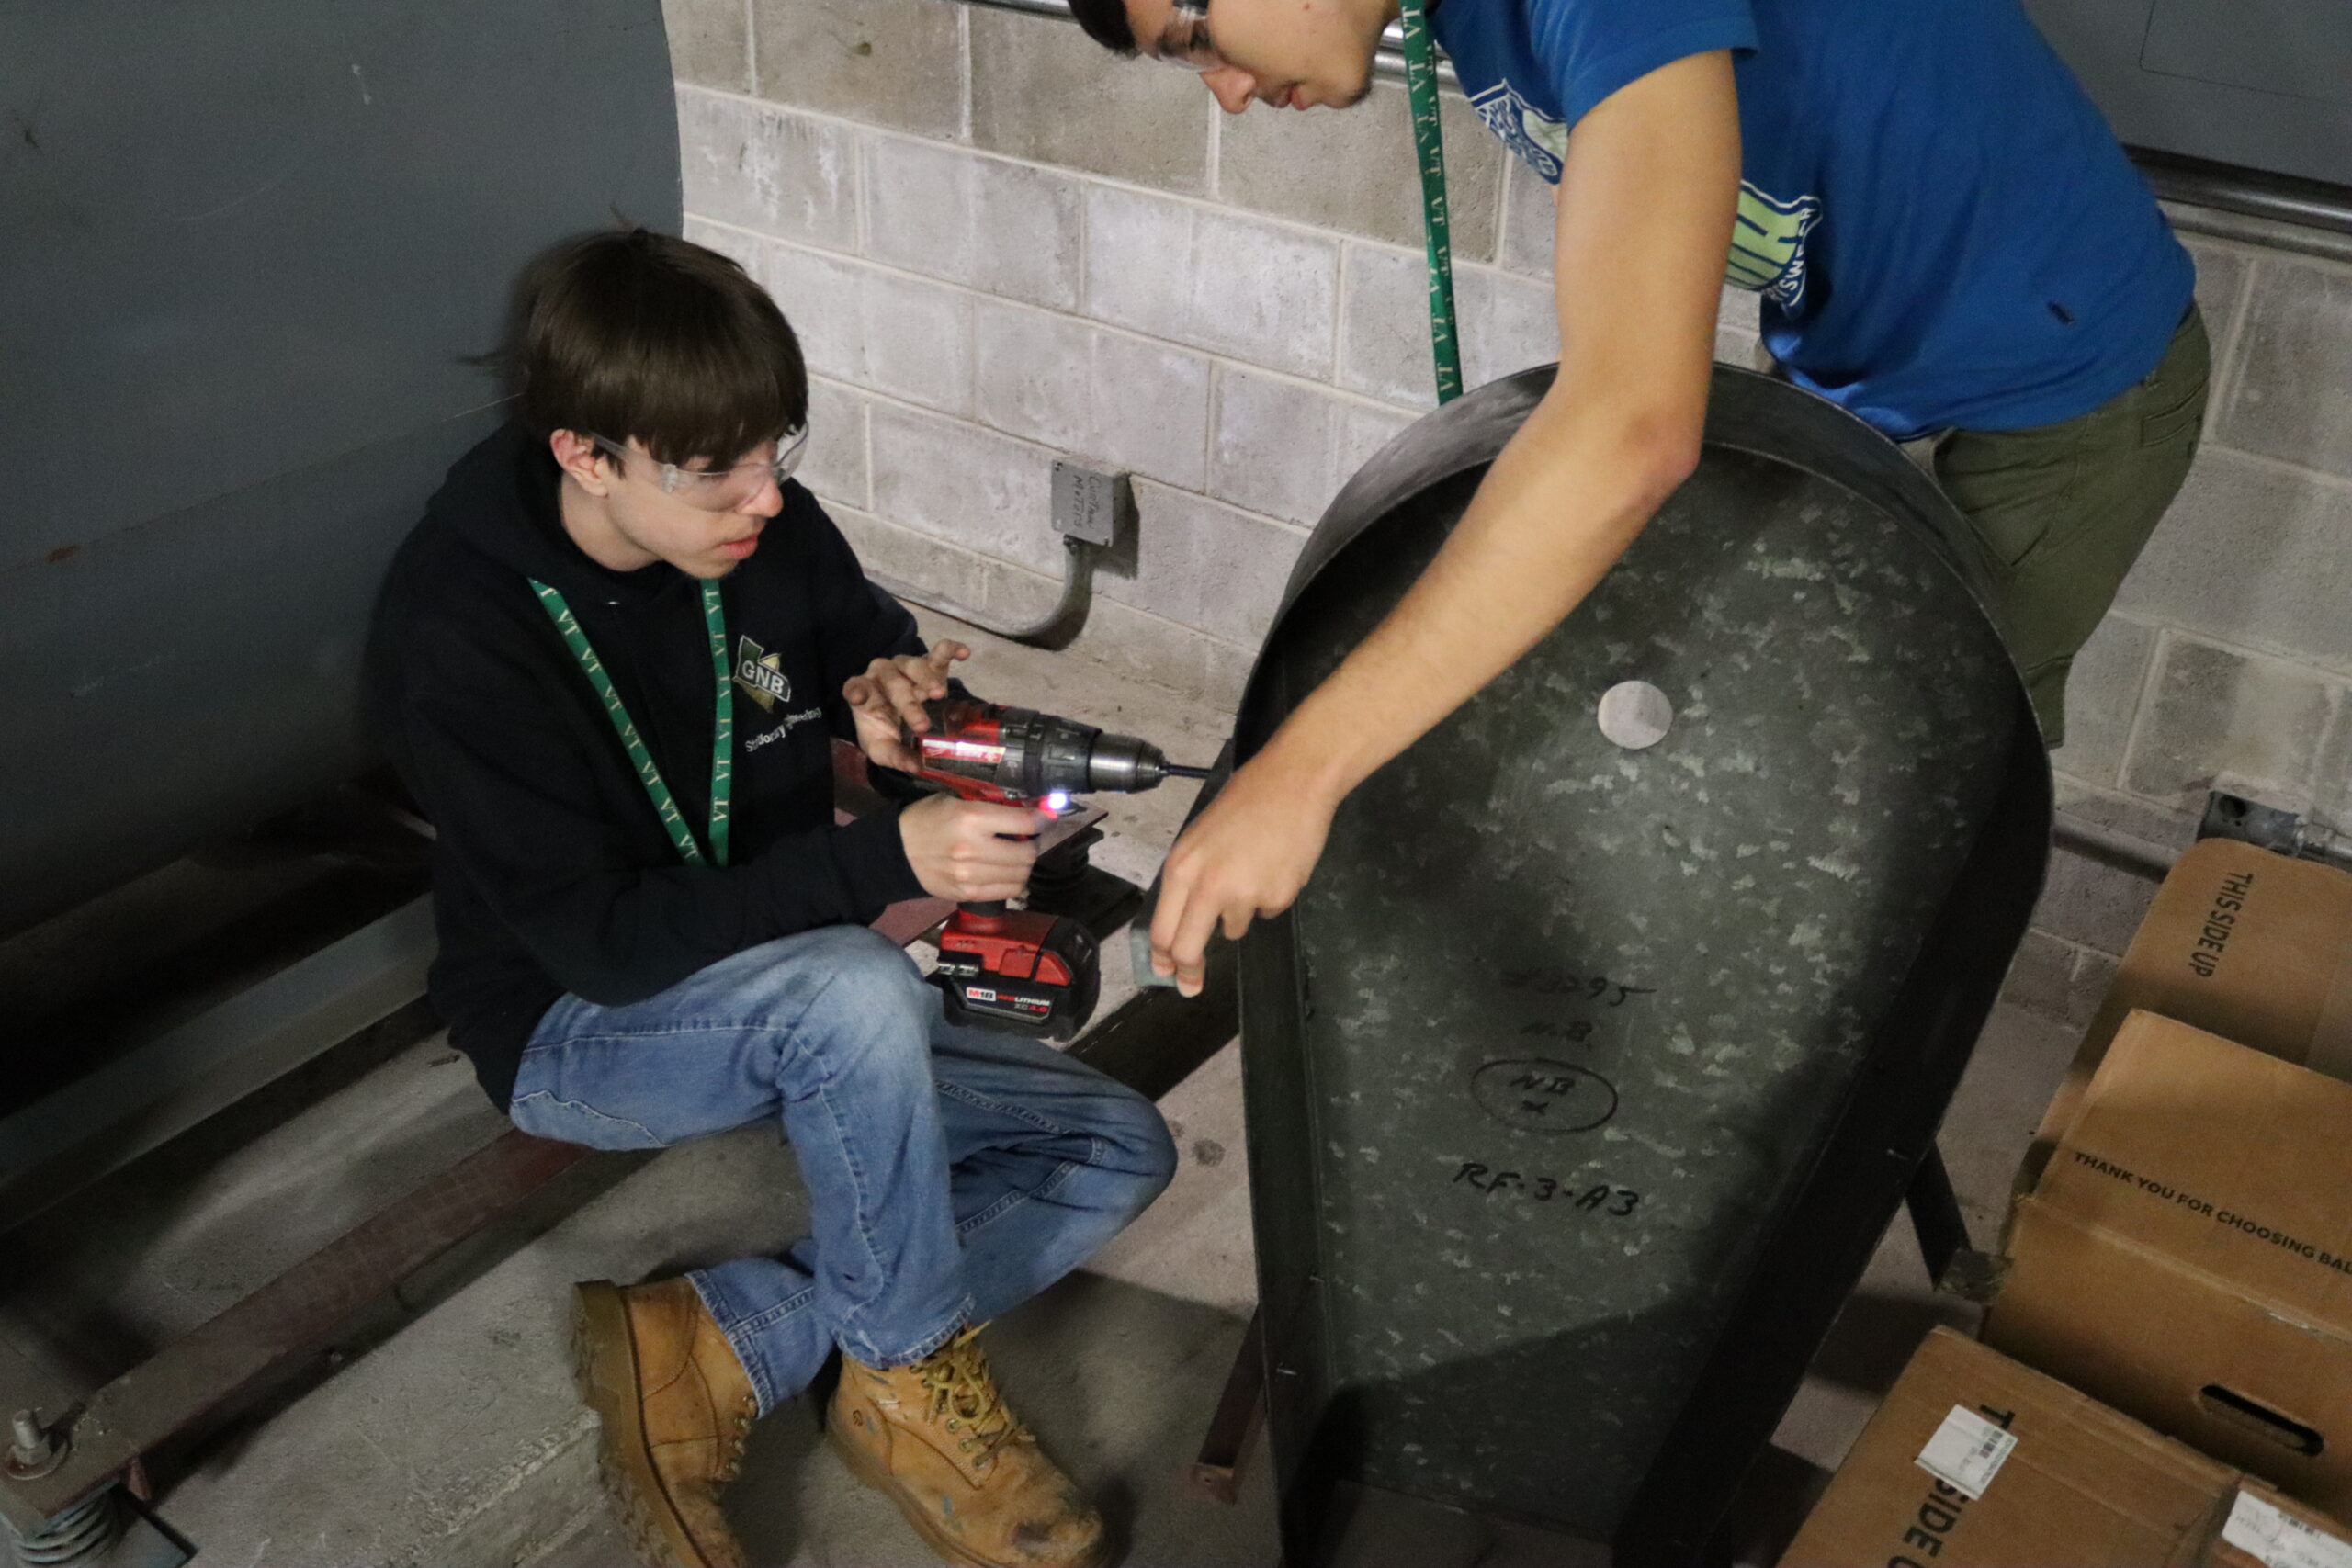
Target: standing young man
point(1948, 242)
point(610, 664)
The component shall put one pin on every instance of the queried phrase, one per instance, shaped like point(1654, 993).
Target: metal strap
point(722, 742)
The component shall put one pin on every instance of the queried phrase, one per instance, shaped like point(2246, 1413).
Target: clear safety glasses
point(1184, 42)
point(719, 490)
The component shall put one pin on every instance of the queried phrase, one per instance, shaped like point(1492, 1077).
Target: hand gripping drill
point(1024, 970)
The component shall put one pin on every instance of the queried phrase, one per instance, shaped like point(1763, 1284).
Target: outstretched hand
point(1245, 855)
point(889, 698)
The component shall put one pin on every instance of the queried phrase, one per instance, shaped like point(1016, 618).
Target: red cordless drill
point(1024, 970)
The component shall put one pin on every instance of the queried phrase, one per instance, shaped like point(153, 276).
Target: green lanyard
point(1420, 89)
point(722, 739)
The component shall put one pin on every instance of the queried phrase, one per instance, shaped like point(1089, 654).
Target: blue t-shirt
point(1942, 227)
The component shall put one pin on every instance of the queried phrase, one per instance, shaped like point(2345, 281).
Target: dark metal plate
point(1549, 1061)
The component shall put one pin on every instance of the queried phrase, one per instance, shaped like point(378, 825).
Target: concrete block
point(1197, 275)
point(1285, 449)
point(1133, 403)
point(2059, 980)
point(1204, 565)
point(2221, 284)
point(918, 341)
point(881, 330)
point(2216, 710)
point(895, 63)
point(758, 167)
point(1363, 432)
point(1002, 228)
point(958, 482)
point(1271, 450)
point(708, 43)
point(1529, 216)
point(2094, 973)
point(1503, 323)
point(820, 295)
point(2253, 552)
point(2292, 395)
point(2091, 904)
point(1150, 127)
point(834, 466)
point(2162, 825)
point(2041, 976)
point(1385, 325)
point(1735, 328)
point(1118, 637)
point(2332, 783)
point(740, 246)
point(1357, 171)
point(2103, 698)
point(1506, 325)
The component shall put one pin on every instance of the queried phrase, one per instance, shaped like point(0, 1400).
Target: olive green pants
point(2061, 512)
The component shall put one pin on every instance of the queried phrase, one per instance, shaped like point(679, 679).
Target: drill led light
point(1057, 801)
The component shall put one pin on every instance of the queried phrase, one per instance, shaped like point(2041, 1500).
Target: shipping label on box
point(1975, 1461)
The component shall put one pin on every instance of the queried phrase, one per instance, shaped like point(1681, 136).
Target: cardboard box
point(2186, 1255)
point(2252, 945)
point(2076, 1484)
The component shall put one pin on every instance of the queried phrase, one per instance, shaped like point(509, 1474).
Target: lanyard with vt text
point(722, 739)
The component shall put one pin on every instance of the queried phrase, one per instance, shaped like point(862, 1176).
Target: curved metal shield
point(1586, 1074)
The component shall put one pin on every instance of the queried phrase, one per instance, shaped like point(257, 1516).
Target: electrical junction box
point(2263, 84)
point(1090, 503)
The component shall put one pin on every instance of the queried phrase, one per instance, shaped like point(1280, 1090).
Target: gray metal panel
point(2263, 84)
point(244, 248)
point(1542, 1062)
point(2298, 49)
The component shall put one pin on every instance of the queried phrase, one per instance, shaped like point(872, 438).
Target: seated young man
point(610, 662)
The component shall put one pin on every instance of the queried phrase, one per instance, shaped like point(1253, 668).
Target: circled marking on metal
point(1635, 715)
point(1535, 1094)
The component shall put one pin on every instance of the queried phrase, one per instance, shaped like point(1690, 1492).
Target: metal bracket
point(2287, 829)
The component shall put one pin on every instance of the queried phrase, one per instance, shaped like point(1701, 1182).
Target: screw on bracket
point(33, 1450)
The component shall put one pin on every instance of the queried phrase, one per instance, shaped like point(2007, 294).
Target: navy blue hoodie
point(552, 873)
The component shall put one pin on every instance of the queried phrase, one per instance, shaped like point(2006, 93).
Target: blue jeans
point(952, 1173)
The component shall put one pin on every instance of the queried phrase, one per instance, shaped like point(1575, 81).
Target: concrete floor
point(448, 1434)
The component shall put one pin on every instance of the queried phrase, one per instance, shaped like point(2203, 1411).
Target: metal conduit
point(2217, 199)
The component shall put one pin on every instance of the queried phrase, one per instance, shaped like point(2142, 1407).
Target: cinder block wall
point(999, 245)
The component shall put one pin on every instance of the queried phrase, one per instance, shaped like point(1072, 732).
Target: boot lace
point(963, 1397)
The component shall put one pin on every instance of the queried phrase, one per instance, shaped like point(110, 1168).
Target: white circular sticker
point(1635, 715)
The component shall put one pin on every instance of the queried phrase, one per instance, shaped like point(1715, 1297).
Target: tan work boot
point(675, 1407)
point(937, 1438)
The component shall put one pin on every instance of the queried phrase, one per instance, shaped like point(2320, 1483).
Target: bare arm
point(1646, 207)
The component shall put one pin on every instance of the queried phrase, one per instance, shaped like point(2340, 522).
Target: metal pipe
point(2271, 233)
point(2124, 851)
point(1057, 626)
point(2220, 199)
point(2282, 198)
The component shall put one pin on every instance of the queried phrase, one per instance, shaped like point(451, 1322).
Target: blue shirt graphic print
point(1943, 231)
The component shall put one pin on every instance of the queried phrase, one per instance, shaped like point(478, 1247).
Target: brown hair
point(630, 333)
point(1106, 23)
